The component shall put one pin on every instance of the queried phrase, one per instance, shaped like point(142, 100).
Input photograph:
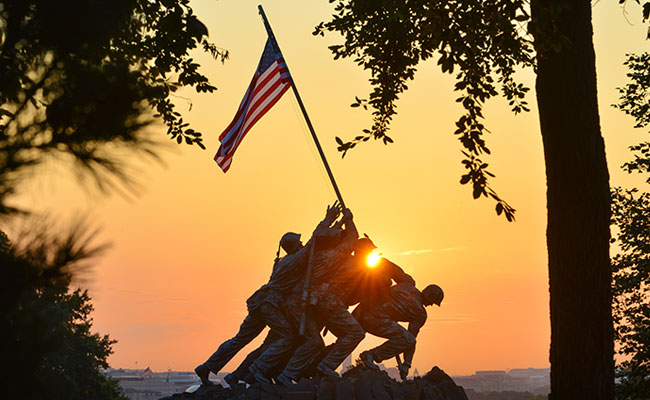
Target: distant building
point(534, 380)
point(490, 373)
point(149, 385)
point(391, 371)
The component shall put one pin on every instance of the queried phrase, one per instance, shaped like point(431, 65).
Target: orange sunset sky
point(195, 242)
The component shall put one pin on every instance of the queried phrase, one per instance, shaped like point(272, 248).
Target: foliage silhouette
point(48, 349)
point(391, 38)
point(631, 264)
point(635, 101)
point(81, 80)
point(631, 289)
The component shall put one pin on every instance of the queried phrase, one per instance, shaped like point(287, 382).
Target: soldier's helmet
point(433, 294)
point(290, 242)
point(364, 246)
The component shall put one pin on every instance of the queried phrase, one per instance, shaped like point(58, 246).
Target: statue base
point(358, 383)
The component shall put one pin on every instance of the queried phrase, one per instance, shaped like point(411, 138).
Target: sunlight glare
point(373, 259)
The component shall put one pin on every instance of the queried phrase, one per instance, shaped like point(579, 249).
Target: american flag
point(269, 83)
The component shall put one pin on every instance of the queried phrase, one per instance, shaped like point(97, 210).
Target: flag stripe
point(271, 102)
point(263, 87)
point(242, 108)
point(259, 96)
point(259, 108)
point(254, 117)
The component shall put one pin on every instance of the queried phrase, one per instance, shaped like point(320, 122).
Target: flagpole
point(304, 113)
point(305, 290)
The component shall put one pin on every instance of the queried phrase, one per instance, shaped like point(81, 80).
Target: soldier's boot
point(261, 378)
point(249, 378)
point(258, 375)
point(368, 360)
point(283, 380)
point(327, 371)
point(203, 373)
point(231, 380)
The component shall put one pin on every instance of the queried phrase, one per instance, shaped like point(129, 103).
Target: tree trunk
point(578, 234)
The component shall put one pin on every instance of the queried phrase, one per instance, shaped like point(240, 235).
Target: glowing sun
point(373, 259)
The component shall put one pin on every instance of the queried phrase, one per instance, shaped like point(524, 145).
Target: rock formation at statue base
point(358, 383)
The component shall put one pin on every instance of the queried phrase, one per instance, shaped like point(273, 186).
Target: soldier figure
point(404, 303)
point(354, 282)
point(325, 309)
point(265, 305)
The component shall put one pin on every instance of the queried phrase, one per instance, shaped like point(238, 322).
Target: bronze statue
point(310, 289)
point(265, 306)
point(404, 303)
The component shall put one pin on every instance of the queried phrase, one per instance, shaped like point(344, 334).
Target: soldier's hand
point(339, 224)
point(333, 211)
point(347, 214)
point(404, 371)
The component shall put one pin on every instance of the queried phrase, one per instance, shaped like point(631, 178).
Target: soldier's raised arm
point(350, 233)
point(345, 228)
point(346, 240)
point(324, 229)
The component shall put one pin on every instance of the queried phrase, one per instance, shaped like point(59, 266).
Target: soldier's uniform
point(243, 373)
point(324, 309)
point(358, 283)
point(354, 282)
point(403, 303)
point(265, 308)
point(341, 281)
